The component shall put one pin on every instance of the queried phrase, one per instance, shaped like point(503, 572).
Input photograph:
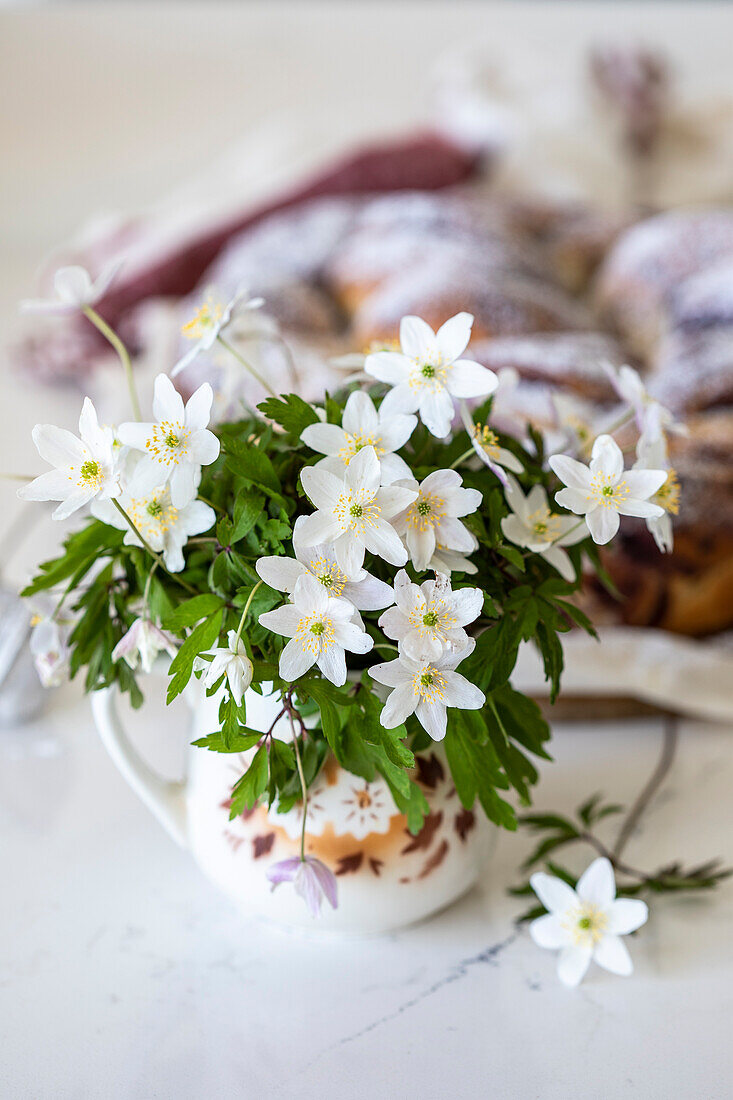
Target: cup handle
point(166, 799)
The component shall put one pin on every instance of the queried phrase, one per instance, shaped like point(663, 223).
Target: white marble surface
point(124, 973)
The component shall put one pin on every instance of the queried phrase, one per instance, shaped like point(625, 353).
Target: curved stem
point(246, 609)
point(110, 335)
point(158, 559)
point(669, 746)
point(462, 458)
point(301, 774)
point(247, 366)
point(149, 581)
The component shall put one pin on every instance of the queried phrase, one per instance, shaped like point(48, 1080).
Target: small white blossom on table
point(586, 923)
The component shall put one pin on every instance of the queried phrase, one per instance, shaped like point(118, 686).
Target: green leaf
point(289, 411)
point(248, 461)
point(247, 790)
point(247, 510)
point(243, 740)
point(191, 611)
point(200, 640)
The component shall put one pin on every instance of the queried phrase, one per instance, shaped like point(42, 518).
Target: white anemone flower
point(209, 321)
point(142, 643)
point(362, 426)
point(604, 491)
point(428, 372)
point(425, 689)
point(85, 468)
point(653, 454)
point(541, 531)
point(354, 513)
point(74, 289)
point(320, 630)
point(231, 661)
point(165, 528)
point(428, 619)
point(652, 418)
point(431, 521)
point(176, 444)
point(586, 923)
point(365, 592)
point(485, 443)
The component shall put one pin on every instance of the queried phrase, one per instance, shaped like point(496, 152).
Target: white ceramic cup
point(386, 877)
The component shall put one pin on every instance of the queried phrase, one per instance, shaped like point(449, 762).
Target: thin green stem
point(301, 774)
point(247, 606)
point(247, 366)
point(385, 645)
point(109, 334)
point(462, 458)
point(18, 477)
point(148, 582)
point(148, 547)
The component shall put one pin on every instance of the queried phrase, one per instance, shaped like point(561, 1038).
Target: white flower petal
point(549, 931)
point(380, 538)
point(167, 401)
point(607, 457)
point(363, 473)
point(369, 594)
point(403, 399)
point(198, 408)
point(318, 527)
point(417, 339)
point(597, 885)
point(282, 620)
point(349, 553)
point(559, 560)
point(626, 915)
point(468, 379)
point(388, 366)
point(205, 447)
point(57, 446)
point(391, 673)
point(612, 954)
point(436, 411)
point(555, 895)
point(460, 692)
point(603, 523)
point(452, 337)
point(572, 965)
point(295, 660)
point(644, 483)
point(322, 488)
point(332, 663)
point(327, 439)
point(571, 472)
point(577, 500)
point(400, 704)
point(433, 718)
point(360, 416)
point(280, 573)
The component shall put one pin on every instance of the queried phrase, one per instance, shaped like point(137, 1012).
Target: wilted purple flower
point(311, 878)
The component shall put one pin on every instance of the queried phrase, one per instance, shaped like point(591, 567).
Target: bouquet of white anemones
point(375, 561)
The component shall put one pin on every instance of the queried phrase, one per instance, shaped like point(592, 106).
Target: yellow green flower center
point(608, 494)
point(668, 497)
point(430, 618)
point(206, 317)
point(586, 923)
point(89, 470)
point(429, 684)
point(317, 629)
